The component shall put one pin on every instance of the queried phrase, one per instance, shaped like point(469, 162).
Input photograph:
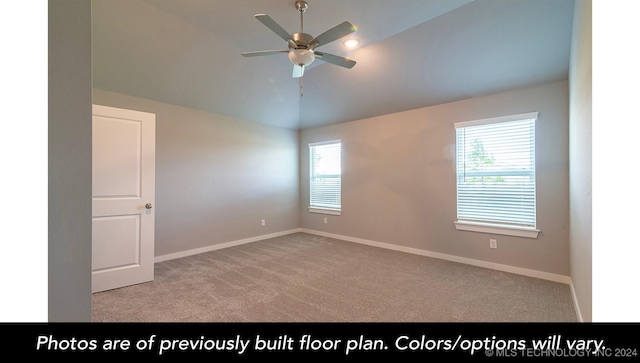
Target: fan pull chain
point(301, 94)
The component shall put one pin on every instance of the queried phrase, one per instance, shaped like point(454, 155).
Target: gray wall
point(399, 179)
point(581, 157)
point(217, 177)
point(69, 148)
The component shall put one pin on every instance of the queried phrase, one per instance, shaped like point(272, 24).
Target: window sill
point(497, 229)
point(335, 212)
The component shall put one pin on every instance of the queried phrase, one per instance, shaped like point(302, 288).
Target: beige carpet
point(308, 278)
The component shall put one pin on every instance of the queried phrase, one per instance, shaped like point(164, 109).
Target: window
point(495, 167)
point(325, 160)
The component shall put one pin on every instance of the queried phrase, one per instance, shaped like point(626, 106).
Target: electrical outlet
point(493, 243)
point(264, 223)
point(325, 220)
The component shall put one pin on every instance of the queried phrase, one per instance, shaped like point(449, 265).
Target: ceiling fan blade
point(275, 27)
point(298, 71)
point(334, 59)
point(263, 52)
point(332, 34)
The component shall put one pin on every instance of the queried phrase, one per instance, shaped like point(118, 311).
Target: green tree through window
point(481, 160)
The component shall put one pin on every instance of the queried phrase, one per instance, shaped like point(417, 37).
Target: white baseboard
point(469, 261)
point(219, 246)
point(575, 303)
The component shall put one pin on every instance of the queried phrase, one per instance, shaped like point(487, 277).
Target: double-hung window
point(325, 160)
point(496, 175)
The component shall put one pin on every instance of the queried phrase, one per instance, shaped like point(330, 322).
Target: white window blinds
point(325, 175)
point(495, 161)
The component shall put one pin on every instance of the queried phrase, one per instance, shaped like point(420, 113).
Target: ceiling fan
point(302, 46)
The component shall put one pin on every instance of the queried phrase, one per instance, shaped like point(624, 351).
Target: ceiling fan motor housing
point(301, 55)
point(301, 39)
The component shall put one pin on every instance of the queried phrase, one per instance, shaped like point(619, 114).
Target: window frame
point(496, 227)
point(318, 208)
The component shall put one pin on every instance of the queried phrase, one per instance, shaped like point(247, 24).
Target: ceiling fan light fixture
point(301, 57)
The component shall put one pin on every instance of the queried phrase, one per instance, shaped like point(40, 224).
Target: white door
point(123, 197)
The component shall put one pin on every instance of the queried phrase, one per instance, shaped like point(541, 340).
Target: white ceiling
point(412, 53)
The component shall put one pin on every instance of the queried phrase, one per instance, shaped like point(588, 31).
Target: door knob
point(148, 206)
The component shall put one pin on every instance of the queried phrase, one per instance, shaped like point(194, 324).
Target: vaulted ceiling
point(412, 54)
